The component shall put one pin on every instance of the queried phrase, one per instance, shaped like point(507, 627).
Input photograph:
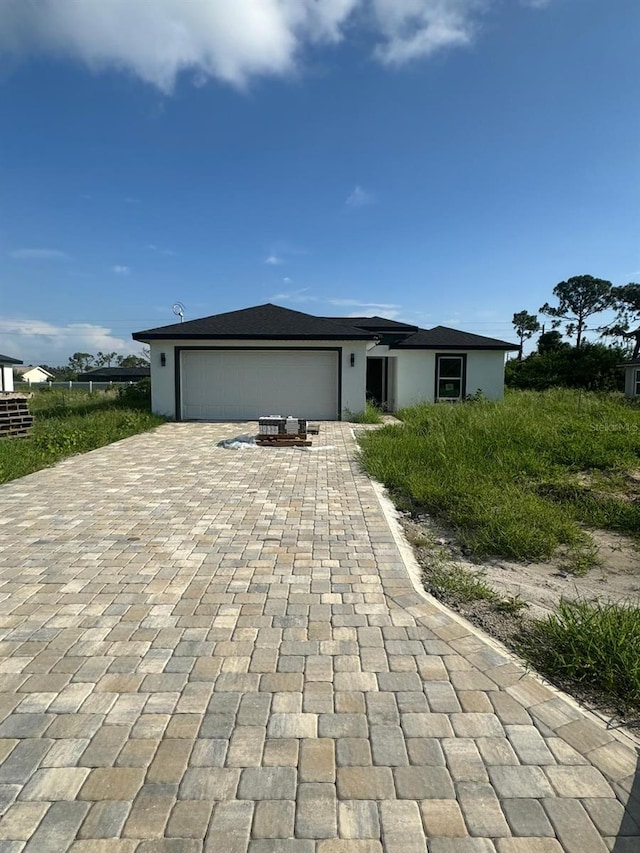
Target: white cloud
point(356, 303)
point(388, 315)
point(37, 341)
point(153, 248)
point(412, 29)
point(454, 320)
point(301, 295)
point(40, 254)
point(157, 40)
point(359, 198)
point(273, 260)
point(120, 269)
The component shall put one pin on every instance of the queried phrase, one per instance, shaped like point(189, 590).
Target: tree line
point(81, 362)
point(594, 365)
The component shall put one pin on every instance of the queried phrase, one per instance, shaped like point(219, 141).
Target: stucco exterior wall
point(485, 372)
point(163, 378)
point(6, 380)
point(415, 377)
point(416, 371)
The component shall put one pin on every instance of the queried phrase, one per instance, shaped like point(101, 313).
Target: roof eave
point(144, 337)
point(495, 348)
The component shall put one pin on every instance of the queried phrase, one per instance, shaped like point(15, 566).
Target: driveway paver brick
point(212, 650)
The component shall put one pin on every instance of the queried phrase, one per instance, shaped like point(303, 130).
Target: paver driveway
point(218, 650)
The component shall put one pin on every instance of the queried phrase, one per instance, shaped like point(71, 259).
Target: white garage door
point(245, 384)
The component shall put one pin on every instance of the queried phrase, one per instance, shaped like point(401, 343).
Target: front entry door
point(377, 370)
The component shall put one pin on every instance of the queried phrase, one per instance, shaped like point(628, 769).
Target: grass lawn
point(517, 478)
point(68, 422)
point(525, 479)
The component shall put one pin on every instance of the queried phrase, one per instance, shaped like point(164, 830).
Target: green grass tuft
point(459, 586)
point(596, 646)
point(370, 415)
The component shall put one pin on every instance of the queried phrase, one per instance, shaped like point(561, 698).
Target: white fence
point(70, 385)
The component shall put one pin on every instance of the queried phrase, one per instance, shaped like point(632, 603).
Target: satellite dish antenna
point(178, 310)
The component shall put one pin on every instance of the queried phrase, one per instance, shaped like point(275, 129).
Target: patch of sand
point(540, 584)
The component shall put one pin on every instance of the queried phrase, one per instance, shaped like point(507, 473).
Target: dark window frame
point(462, 356)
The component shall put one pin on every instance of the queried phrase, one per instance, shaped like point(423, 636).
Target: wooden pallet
point(290, 440)
point(15, 419)
point(21, 432)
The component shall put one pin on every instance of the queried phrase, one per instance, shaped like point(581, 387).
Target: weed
point(594, 645)
point(513, 604)
point(580, 559)
point(370, 415)
point(458, 585)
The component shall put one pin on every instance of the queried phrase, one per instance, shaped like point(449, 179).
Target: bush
point(593, 367)
point(136, 394)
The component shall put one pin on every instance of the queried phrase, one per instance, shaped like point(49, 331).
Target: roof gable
point(442, 337)
point(264, 322)
point(27, 368)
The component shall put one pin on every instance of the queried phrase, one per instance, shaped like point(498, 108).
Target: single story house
point(271, 360)
point(6, 373)
point(32, 374)
point(632, 378)
point(115, 374)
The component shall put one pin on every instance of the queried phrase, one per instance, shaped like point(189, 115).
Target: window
point(450, 377)
point(636, 384)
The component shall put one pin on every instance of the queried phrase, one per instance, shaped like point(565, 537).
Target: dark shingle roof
point(114, 374)
point(6, 359)
point(265, 322)
point(374, 324)
point(442, 337)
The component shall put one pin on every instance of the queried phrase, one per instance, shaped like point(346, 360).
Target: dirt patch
point(540, 585)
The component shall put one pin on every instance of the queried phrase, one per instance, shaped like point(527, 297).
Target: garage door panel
point(244, 384)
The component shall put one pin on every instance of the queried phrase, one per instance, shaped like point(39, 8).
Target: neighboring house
point(31, 374)
point(271, 360)
point(6, 372)
point(632, 378)
point(115, 374)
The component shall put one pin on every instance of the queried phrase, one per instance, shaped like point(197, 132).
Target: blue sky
point(437, 161)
